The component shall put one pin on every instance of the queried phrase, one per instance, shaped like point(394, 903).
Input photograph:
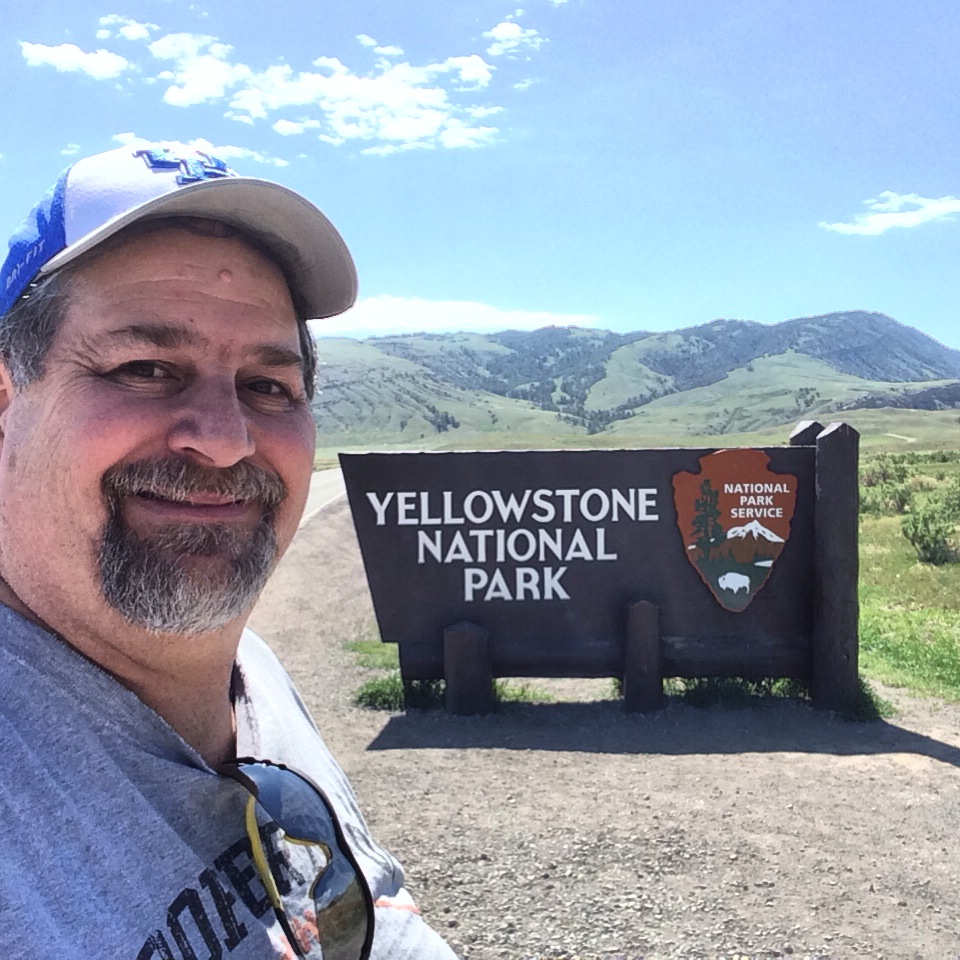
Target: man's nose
point(211, 424)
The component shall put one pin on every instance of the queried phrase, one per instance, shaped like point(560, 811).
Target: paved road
point(325, 487)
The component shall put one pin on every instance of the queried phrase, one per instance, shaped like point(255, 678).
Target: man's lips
point(198, 506)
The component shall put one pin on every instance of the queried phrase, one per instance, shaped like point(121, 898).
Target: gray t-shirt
point(118, 840)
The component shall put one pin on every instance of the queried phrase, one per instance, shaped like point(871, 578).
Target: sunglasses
point(344, 906)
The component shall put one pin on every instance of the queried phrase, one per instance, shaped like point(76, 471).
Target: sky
point(621, 164)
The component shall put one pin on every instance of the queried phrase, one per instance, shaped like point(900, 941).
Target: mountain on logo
point(753, 529)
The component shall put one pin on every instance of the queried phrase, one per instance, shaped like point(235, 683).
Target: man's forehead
point(161, 242)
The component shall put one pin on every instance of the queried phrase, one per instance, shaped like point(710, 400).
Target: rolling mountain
point(720, 377)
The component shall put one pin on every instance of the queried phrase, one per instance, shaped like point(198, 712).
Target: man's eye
point(142, 370)
point(268, 388)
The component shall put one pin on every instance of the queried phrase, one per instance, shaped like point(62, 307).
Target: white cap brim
point(314, 255)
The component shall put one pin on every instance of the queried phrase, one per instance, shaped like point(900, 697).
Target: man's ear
point(6, 395)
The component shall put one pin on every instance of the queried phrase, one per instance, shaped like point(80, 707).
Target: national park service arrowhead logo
point(734, 518)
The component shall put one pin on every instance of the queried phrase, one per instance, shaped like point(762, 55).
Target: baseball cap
point(96, 197)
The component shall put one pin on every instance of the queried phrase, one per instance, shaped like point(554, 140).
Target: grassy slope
point(626, 377)
point(370, 397)
point(453, 343)
point(749, 400)
point(367, 396)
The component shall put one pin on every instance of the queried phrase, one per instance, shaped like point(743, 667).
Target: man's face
point(161, 464)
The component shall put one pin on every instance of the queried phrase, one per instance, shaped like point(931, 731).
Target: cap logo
point(193, 168)
point(32, 253)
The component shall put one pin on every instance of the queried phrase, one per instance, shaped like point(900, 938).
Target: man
point(156, 447)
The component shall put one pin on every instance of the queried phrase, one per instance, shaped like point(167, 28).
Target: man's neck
point(186, 680)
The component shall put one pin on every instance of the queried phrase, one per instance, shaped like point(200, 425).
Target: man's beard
point(160, 581)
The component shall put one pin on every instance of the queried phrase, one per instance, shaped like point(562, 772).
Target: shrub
point(885, 469)
point(930, 531)
point(951, 499)
point(885, 498)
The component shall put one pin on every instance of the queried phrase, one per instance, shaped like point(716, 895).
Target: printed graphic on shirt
point(228, 903)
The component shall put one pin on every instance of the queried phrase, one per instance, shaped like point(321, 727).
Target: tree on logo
point(706, 519)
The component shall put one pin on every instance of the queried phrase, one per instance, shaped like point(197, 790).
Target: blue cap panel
point(39, 237)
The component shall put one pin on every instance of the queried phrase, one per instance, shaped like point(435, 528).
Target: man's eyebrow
point(164, 335)
point(269, 355)
point(167, 336)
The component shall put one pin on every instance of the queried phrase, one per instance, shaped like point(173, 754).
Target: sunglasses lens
point(293, 804)
point(343, 905)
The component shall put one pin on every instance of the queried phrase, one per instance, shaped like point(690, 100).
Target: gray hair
point(28, 328)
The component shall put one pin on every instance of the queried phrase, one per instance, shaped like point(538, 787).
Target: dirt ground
point(571, 829)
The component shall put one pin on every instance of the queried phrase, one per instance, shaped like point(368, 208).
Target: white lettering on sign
point(756, 488)
point(419, 508)
point(519, 546)
point(512, 530)
point(528, 583)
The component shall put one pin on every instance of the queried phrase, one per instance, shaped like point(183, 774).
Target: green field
point(885, 429)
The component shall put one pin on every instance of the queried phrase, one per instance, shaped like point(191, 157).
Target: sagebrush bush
point(885, 498)
point(885, 469)
point(930, 531)
point(951, 499)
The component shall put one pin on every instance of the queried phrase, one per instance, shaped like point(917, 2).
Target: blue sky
point(624, 164)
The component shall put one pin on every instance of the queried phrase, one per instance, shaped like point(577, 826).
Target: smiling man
point(167, 794)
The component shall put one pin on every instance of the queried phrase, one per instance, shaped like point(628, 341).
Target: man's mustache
point(173, 478)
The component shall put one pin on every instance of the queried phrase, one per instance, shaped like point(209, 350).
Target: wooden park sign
point(638, 564)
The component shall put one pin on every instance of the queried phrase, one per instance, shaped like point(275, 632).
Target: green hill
point(372, 397)
point(520, 387)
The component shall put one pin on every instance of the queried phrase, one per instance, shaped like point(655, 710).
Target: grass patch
point(520, 691)
point(734, 692)
point(389, 693)
point(374, 654)
point(909, 614)
point(381, 693)
point(914, 648)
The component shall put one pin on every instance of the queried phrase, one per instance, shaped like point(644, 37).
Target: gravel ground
point(572, 830)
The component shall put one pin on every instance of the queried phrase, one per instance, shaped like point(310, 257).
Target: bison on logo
point(734, 518)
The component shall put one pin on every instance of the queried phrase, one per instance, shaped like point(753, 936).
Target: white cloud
point(228, 152)
point(385, 51)
point(377, 316)
point(70, 150)
point(69, 58)
point(396, 107)
point(392, 106)
point(201, 68)
point(524, 84)
point(558, 3)
point(289, 128)
point(459, 134)
point(125, 27)
point(891, 210)
point(472, 69)
point(510, 39)
point(478, 113)
point(222, 151)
